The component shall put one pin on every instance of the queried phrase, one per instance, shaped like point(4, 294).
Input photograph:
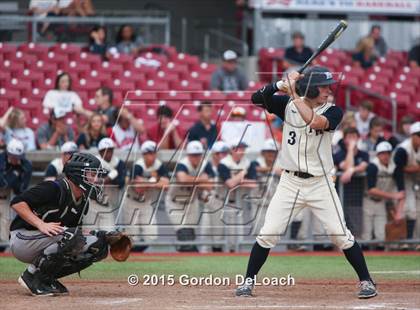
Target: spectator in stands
point(165, 132)
point(115, 166)
point(204, 130)
point(45, 8)
point(94, 132)
point(56, 132)
point(403, 132)
point(236, 170)
point(55, 167)
point(63, 97)
point(97, 41)
point(363, 117)
point(104, 98)
point(194, 178)
point(3, 124)
point(414, 55)
point(365, 53)
point(379, 43)
point(383, 186)
point(374, 137)
point(298, 53)
point(78, 8)
point(347, 122)
point(229, 77)
point(15, 169)
point(127, 42)
point(407, 160)
point(351, 161)
point(14, 127)
point(127, 131)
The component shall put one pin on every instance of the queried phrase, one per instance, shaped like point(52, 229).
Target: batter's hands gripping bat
point(332, 36)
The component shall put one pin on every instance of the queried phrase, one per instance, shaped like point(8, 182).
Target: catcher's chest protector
point(66, 211)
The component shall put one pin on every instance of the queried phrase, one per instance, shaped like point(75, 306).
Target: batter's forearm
point(23, 210)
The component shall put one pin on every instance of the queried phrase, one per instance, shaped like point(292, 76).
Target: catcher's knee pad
point(344, 241)
point(72, 242)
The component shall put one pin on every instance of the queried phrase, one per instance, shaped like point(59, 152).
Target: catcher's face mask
point(94, 179)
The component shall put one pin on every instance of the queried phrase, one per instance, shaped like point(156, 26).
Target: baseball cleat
point(34, 285)
point(244, 290)
point(58, 288)
point(367, 289)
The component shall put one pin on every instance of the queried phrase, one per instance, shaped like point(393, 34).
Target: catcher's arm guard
point(120, 245)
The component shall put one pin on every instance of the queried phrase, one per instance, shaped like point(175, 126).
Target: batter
point(306, 158)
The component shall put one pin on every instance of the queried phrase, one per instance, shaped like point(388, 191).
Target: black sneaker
point(58, 287)
point(34, 285)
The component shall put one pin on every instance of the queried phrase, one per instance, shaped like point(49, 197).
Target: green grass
point(300, 267)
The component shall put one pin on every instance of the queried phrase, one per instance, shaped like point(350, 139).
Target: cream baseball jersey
point(303, 148)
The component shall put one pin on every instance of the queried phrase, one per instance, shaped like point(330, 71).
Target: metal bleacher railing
point(155, 26)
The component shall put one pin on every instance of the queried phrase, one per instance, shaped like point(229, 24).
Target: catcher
point(46, 232)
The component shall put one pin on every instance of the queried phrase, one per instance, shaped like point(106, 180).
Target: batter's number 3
point(292, 137)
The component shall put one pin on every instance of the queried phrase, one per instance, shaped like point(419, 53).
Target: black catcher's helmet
point(314, 77)
point(85, 170)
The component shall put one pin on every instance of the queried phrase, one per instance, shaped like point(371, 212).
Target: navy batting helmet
point(314, 77)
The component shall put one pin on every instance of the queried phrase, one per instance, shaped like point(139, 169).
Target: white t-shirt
point(363, 126)
point(124, 138)
point(252, 133)
point(65, 100)
point(26, 135)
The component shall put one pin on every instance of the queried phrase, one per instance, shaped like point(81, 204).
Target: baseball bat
point(332, 36)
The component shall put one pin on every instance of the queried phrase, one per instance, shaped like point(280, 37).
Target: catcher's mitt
point(120, 245)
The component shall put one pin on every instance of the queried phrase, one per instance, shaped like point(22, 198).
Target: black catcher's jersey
point(52, 201)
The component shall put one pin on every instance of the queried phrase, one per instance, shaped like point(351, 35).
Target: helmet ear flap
point(303, 90)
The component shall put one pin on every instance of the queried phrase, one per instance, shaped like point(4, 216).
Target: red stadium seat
point(204, 67)
point(153, 85)
point(112, 68)
point(43, 66)
point(91, 59)
point(77, 67)
point(55, 58)
point(240, 96)
point(175, 67)
point(185, 85)
point(141, 96)
point(8, 65)
point(208, 95)
point(65, 48)
point(203, 78)
point(190, 60)
point(7, 48)
point(86, 84)
point(164, 75)
point(173, 95)
point(121, 59)
point(34, 48)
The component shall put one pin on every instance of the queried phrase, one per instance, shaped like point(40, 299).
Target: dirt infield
point(102, 295)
